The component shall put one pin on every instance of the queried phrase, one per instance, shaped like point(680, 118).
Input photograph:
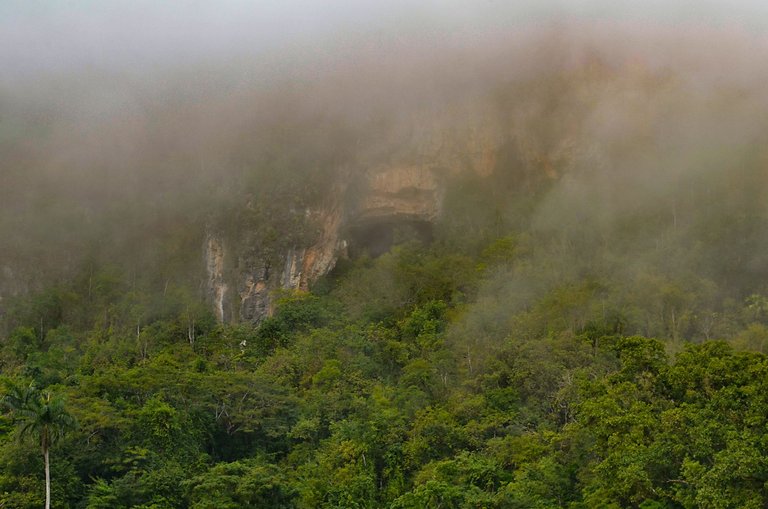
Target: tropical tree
point(39, 415)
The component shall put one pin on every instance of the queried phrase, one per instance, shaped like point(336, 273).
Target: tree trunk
point(47, 480)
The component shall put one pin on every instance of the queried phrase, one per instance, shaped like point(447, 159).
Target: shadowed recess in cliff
point(375, 238)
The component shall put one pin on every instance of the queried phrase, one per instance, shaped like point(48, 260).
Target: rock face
point(253, 276)
point(366, 208)
point(400, 196)
point(214, 266)
point(407, 192)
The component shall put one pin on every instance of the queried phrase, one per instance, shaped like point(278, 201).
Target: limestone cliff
point(395, 181)
point(214, 265)
point(360, 213)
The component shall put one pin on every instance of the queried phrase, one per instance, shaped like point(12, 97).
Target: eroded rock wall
point(217, 286)
point(401, 185)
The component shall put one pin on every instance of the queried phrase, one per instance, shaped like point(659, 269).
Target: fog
point(42, 38)
point(127, 119)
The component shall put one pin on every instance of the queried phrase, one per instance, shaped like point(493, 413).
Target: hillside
point(525, 275)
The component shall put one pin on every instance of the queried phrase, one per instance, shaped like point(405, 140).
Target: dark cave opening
point(374, 238)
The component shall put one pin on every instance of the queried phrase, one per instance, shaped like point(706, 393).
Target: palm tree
point(42, 416)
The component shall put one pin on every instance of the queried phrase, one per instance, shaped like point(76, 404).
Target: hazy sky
point(56, 35)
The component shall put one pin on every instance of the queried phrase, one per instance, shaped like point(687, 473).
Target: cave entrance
point(375, 238)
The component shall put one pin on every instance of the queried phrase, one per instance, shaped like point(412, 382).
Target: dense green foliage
point(473, 372)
